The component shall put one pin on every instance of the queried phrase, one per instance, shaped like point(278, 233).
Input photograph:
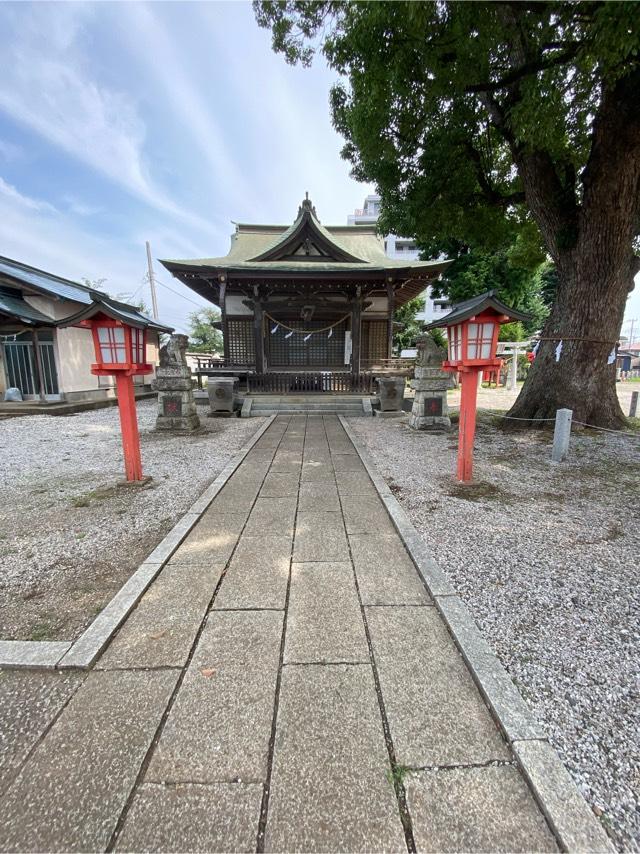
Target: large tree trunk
point(586, 317)
point(591, 244)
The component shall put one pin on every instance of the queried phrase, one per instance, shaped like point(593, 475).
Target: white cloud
point(191, 101)
point(47, 85)
point(10, 192)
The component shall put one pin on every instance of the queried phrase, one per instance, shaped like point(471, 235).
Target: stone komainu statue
point(174, 351)
point(430, 355)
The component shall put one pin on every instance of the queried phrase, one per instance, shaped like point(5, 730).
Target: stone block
point(258, 574)
point(496, 686)
point(320, 536)
point(190, 817)
point(475, 809)
point(93, 640)
point(568, 813)
point(219, 727)
point(386, 574)
point(213, 539)
point(435, 712)
point(72, 790)
point(162, 628)
point(318, 496)
point(29, 703)
point(390, 392)
point(324, 620)
point(32, 654)
point(330, 788)
point(272, 516)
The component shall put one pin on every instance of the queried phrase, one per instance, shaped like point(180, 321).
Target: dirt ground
point(70, 536)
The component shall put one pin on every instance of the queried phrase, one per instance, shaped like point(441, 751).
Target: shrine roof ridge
point(475, 305)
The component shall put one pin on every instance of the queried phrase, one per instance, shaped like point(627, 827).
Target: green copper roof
point(360, 244)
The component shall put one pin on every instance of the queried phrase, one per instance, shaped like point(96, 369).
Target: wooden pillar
point(222, 298)
point(129, 427)
point(391, 307)
point(356, 324)
point(467, 425)
point(258, 331)
point(37, 362)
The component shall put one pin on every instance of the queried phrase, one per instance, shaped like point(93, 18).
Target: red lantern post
point(120, 343)
point(472, 330)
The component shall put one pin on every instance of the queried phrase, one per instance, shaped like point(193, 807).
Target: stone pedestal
point(176, 405)
point(390, 393)
point(222, 393)
point(430, 409)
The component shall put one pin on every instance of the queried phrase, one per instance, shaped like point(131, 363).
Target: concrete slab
point(366, 515)
point(320, 536)
point(272, 516)
point(495, 683)
point(212, 541)
point(567, 812)
point(258, 574)
point(347, 462)
point(72, 790)
point(319, 496)
point(162, 628)
point(287, 461)
point(191, 817)
point(252, 473)
point(386, 574)
point(324, 621)
point(435, 712)
point(475, 809)
point(235, 498)
point(219, 727)
point(93, 640)
point(29, 702)
point(280, 485)
point(354, 483)
point(260, 455)
point(318, 471)
point(32, 654)
point(330, 788)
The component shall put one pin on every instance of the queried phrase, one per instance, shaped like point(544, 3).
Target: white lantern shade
point(480, 340)
point(113, 349)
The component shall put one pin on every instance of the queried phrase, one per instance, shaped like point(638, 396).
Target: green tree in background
point(481, 122)
point(203, 338)
point(405, 337)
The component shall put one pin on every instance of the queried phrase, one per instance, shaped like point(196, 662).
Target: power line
point(182, 296)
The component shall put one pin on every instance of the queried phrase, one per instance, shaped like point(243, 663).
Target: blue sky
point(123, 122)
point(126, 122)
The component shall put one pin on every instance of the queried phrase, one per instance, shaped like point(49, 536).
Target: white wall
point(233, 305)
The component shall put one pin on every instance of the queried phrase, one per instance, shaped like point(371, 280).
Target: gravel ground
point(69, 536)
point(546, 558)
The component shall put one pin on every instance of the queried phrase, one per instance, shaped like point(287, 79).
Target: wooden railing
point(308, 382)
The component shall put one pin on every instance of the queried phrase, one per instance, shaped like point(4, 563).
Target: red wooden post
point(467, 426)
point(129, 427)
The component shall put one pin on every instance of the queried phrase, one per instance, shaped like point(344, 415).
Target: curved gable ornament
point(307, 239)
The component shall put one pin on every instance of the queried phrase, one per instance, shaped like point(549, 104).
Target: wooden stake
point(467, 426)
point(129, 427)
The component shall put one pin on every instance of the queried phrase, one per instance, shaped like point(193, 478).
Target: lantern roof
point(107, 307)
point(477, 305)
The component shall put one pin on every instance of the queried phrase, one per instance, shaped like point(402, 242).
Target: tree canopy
point(203, 337)
point(495, 125)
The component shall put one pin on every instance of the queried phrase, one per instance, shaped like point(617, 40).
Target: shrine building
point(305, 307)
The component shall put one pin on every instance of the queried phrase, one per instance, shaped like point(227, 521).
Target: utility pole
point(152, 283)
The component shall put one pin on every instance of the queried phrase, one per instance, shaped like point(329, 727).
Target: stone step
point(349, 413)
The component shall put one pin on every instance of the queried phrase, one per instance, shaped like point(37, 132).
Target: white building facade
point(399, 248)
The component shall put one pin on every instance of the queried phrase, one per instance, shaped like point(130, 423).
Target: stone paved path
point(284, 685)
